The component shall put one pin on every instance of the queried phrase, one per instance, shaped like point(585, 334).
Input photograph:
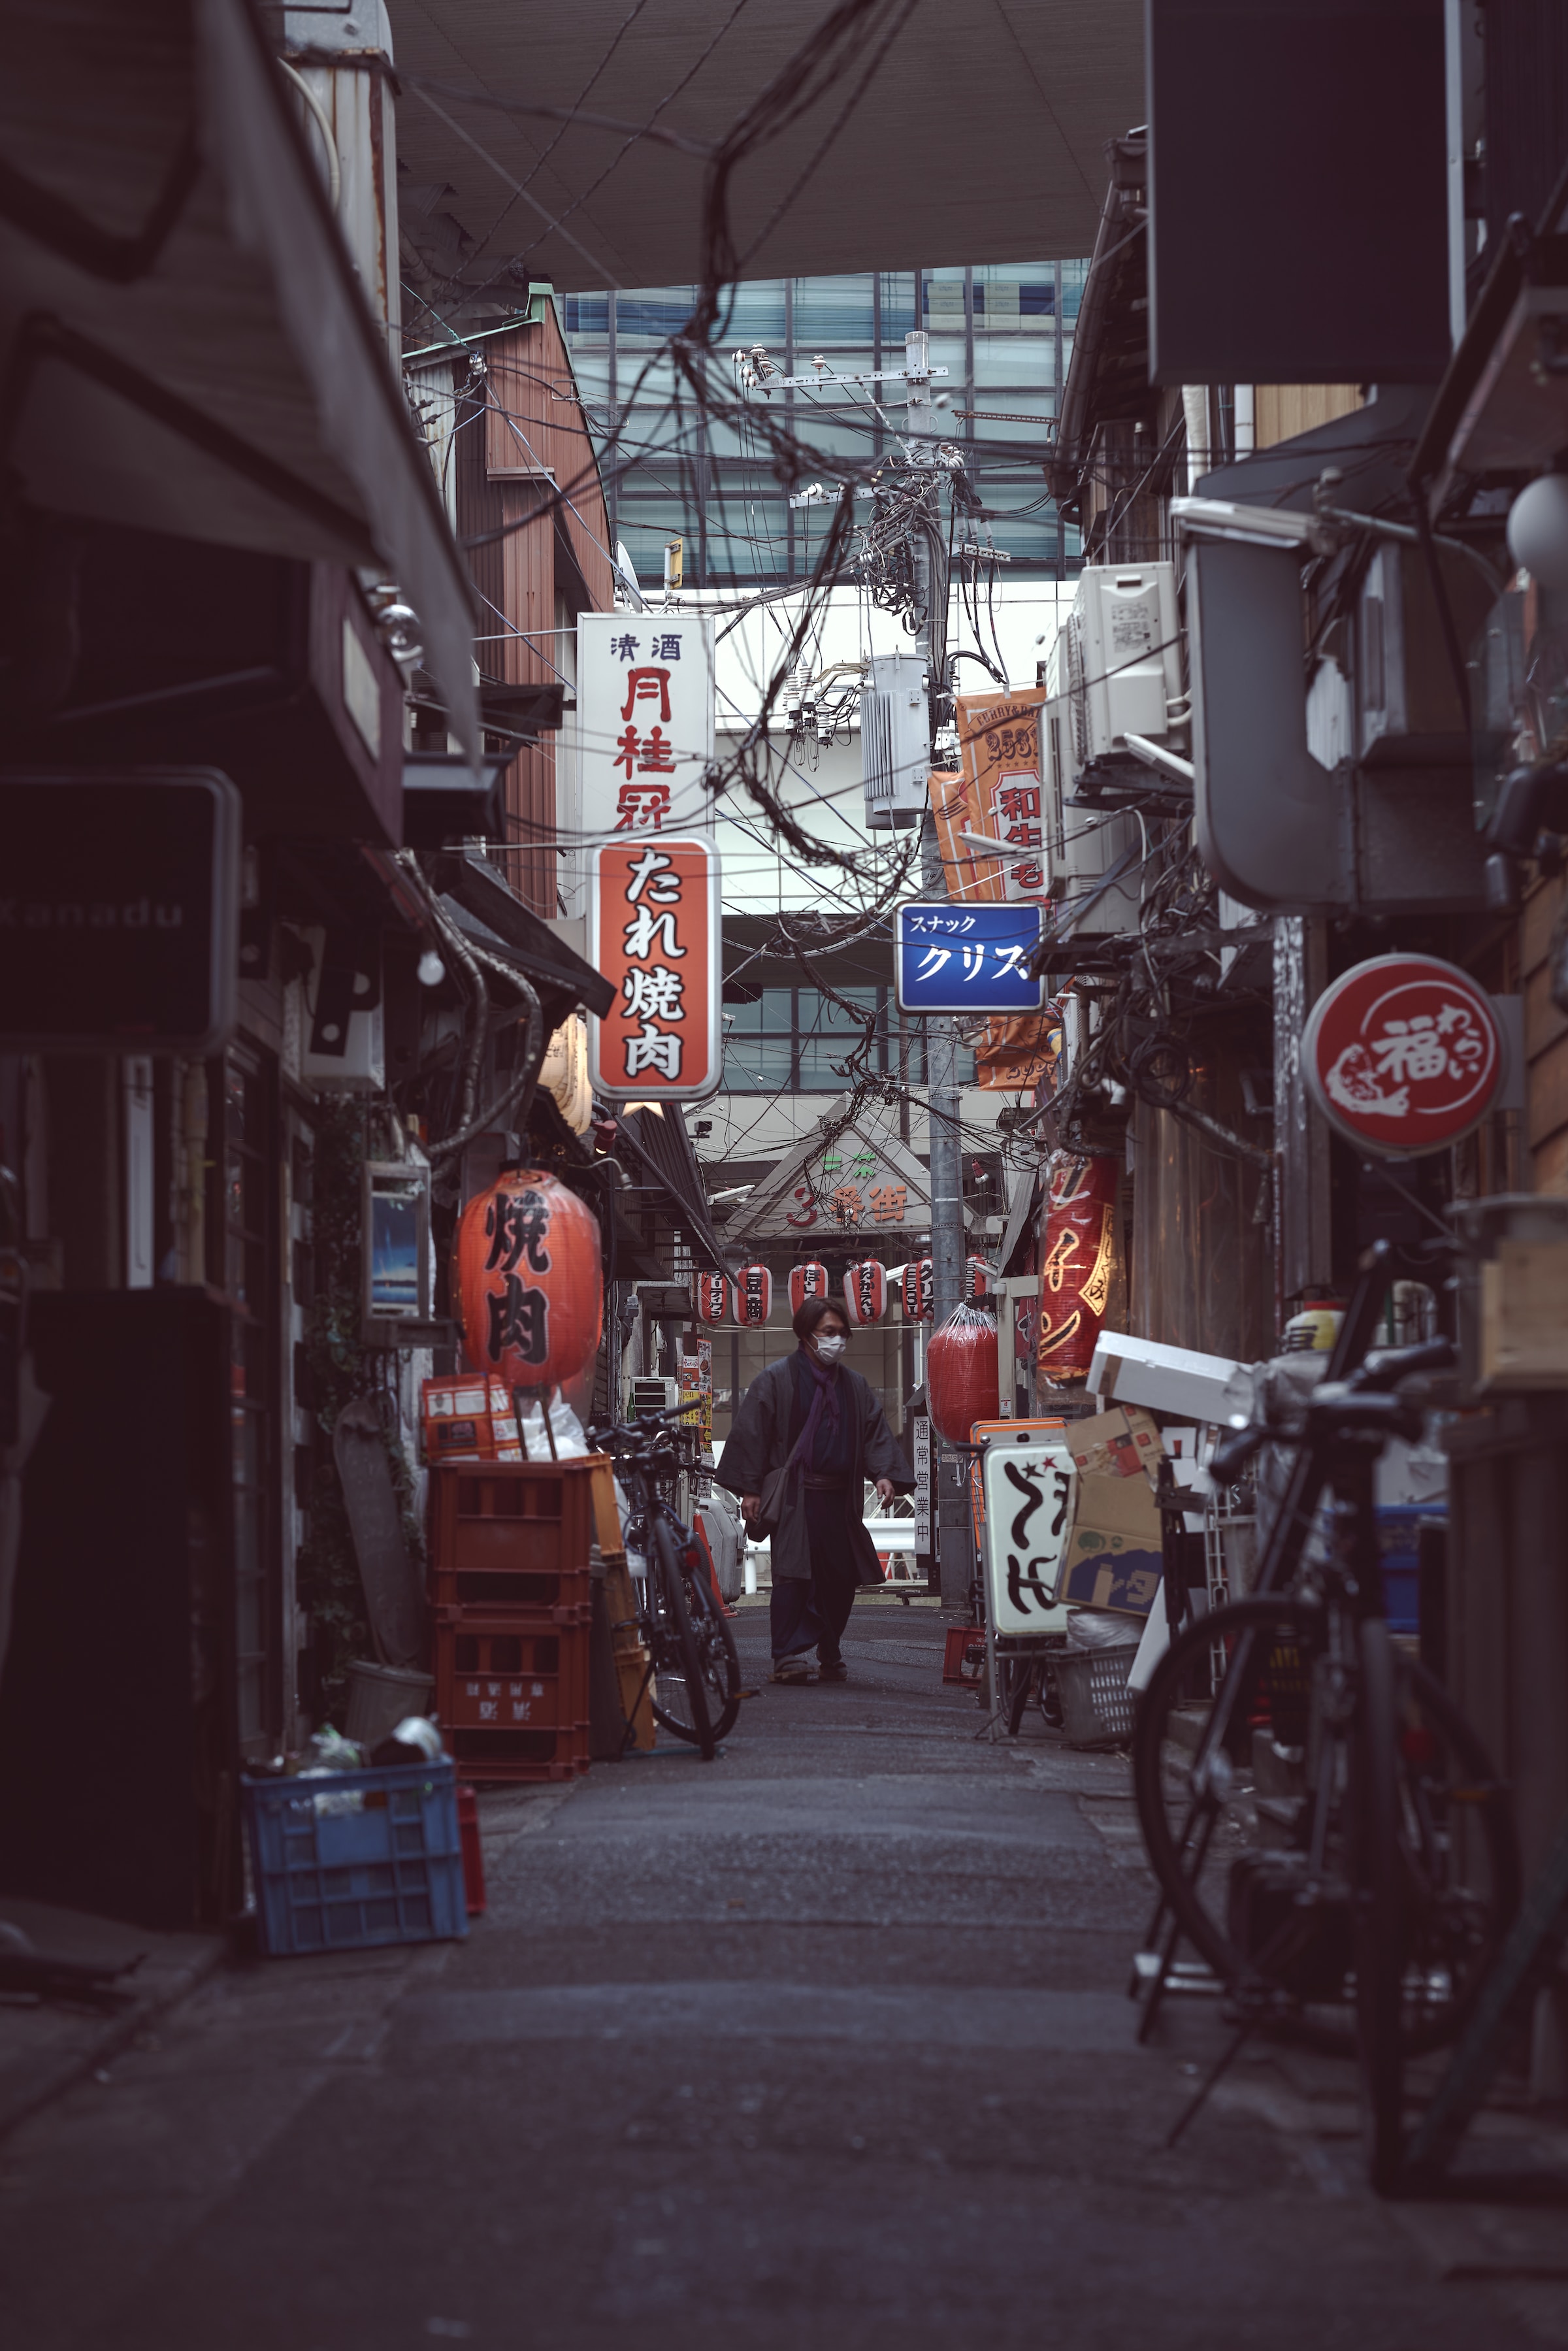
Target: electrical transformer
point(895, 741)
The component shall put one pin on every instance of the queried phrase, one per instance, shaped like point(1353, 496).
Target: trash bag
point(961, 1373)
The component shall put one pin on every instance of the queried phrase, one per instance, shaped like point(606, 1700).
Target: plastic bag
point(1096, 1628)
point(564, 1439)
point(961, 1384)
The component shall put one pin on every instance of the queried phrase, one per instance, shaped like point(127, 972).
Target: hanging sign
point(1028, 1524)
point(865, 1292)
point(753, 1297)
point(644, 723)
point(865, 1180)
point(949, 958)
point(808, 1280)
point(1403, 1055)
point(653, 932)
point(997, 795)
point(1078, 1260)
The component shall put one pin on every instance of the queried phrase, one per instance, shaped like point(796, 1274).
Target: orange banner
point(996, 795)
point(1013, 1054)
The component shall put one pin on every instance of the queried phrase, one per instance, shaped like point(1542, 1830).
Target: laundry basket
point(1097, 1706)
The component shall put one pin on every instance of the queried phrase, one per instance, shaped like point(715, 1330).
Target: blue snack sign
point(949, 957)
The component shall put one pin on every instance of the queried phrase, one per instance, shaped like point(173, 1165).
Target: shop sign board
point(119, 910)
point(1028, 1494)
point(645, 724)
point(653, 932)
point(967, 959)
point(1404, 1055)
point(920, 1431)
point(864, 1181)
point(996, 795)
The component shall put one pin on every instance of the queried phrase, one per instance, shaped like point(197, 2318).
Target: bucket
point(379, 1696)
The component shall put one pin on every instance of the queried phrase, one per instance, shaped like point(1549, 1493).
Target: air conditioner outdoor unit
point(896, 742)
point(1082, 844)
point(656, 1393)
point(1408, 712)
point(1122, 655)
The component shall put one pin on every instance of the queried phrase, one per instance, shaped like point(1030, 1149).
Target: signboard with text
point(864, 1181)
point(1404, 1055)
point(1028, 1524)
point(653, 932)
point(644, 723)
point(967, 959)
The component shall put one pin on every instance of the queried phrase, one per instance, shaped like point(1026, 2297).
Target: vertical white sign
point(645, 724)
point(921, 1431)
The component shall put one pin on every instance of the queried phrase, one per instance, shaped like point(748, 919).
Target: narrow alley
point(823, 2044)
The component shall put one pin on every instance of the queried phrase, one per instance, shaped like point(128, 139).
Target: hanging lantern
point(708, 1295)
point(528, 1282)
point(865, 1292)
point(962, 1384)
point(810, 1281)
point(917, 1287)
point(977, 1277)
point(753, 1295)
point(1078, 1262)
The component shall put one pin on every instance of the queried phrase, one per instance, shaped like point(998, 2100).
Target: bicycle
point(1326, 1829)
point(693, 1665)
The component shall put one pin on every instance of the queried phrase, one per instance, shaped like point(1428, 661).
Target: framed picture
point(396, 1244)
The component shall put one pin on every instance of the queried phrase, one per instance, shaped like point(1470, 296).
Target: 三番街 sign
point(1404, 1055)
point(119, 910)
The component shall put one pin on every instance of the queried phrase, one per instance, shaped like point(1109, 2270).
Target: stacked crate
point(511, 1606)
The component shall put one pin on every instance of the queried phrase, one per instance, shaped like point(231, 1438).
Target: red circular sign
point(1403, 1055)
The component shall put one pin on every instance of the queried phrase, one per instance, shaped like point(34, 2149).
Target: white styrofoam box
point(1126, 1370)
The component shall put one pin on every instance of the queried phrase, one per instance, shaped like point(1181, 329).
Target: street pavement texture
point(823, 2044)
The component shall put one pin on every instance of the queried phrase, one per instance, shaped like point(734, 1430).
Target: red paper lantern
point(1078, 1260)
point(961, 1383)
point(977, 1277)
point(529, 1289)
point(709, 1291)
point(808, 1280)
point(917, 1286)
point(865, 1292)
point(753, 1295)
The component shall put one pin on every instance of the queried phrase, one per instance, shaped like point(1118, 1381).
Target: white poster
point(920, 1428)
point(645, 724)
point(1028, 1518)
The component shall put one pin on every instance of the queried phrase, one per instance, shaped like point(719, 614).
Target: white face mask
point(829, 1350)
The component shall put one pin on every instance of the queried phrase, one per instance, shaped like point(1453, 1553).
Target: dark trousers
point(812, 1615)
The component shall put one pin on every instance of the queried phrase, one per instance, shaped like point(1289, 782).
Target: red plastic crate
point(517, 1538)
point(960, 1638)
point(512, 1698)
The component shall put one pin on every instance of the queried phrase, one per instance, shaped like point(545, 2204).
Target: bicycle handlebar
point(1365, 1400)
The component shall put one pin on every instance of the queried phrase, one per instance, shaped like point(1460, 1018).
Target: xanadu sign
point(1404, 1055)
point(644, 723)
point(653, 932)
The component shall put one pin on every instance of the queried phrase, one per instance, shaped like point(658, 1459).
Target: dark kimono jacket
point(759, 1441)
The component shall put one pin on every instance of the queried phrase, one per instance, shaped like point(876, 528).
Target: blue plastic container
point(1398, 1540)
point(386, 1870)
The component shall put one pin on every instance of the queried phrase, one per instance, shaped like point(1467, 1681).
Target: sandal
point(790, 1669)
point(832, 1669)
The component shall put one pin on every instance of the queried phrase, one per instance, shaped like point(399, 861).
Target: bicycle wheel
point(1252, 1845)
point(717, 1653)
point(1379, 1907)
point(680, 1691)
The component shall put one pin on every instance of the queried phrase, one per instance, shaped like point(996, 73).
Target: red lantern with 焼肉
point(709, 1296)
point(1078, 1260)
point(753, 1288)
point(865, 1292)
point(529, 1288)
point(808, 1280)
point(961, 1379)
point(917, 1289)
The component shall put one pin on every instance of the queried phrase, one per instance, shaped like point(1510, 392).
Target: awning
point(660, 1147)
point(184, 344)
point(980, 135)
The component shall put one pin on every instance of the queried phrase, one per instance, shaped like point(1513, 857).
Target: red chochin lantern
point(530, 1291)
point(865, 1292)
point(961, 1383)
point(977, 1277)
point(708, 1293)
point(808, 1280)
point(917, 1289)
point(753, 1297)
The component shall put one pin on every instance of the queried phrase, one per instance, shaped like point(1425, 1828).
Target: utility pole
point(951, 1511)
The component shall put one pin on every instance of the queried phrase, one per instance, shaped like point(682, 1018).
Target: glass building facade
point(1004, 334)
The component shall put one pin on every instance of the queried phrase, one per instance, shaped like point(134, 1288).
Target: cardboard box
point(1117, 1444)
point(1114, 1557)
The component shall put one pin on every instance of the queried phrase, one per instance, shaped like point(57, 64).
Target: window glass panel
point(1017, 361)
point(586, 313)
point(897, 305)
point(591, 370)
point(832, 310)
point(1073, 274)
point(757, 315)
point(756, 1065)
point(819, 1059)
point(656, 312)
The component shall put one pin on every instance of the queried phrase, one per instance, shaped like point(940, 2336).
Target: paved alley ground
point(823, 2044)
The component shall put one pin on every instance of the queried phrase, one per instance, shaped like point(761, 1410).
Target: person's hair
point(813, 1312)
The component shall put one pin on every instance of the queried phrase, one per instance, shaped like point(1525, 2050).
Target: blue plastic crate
point(389, 1871)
